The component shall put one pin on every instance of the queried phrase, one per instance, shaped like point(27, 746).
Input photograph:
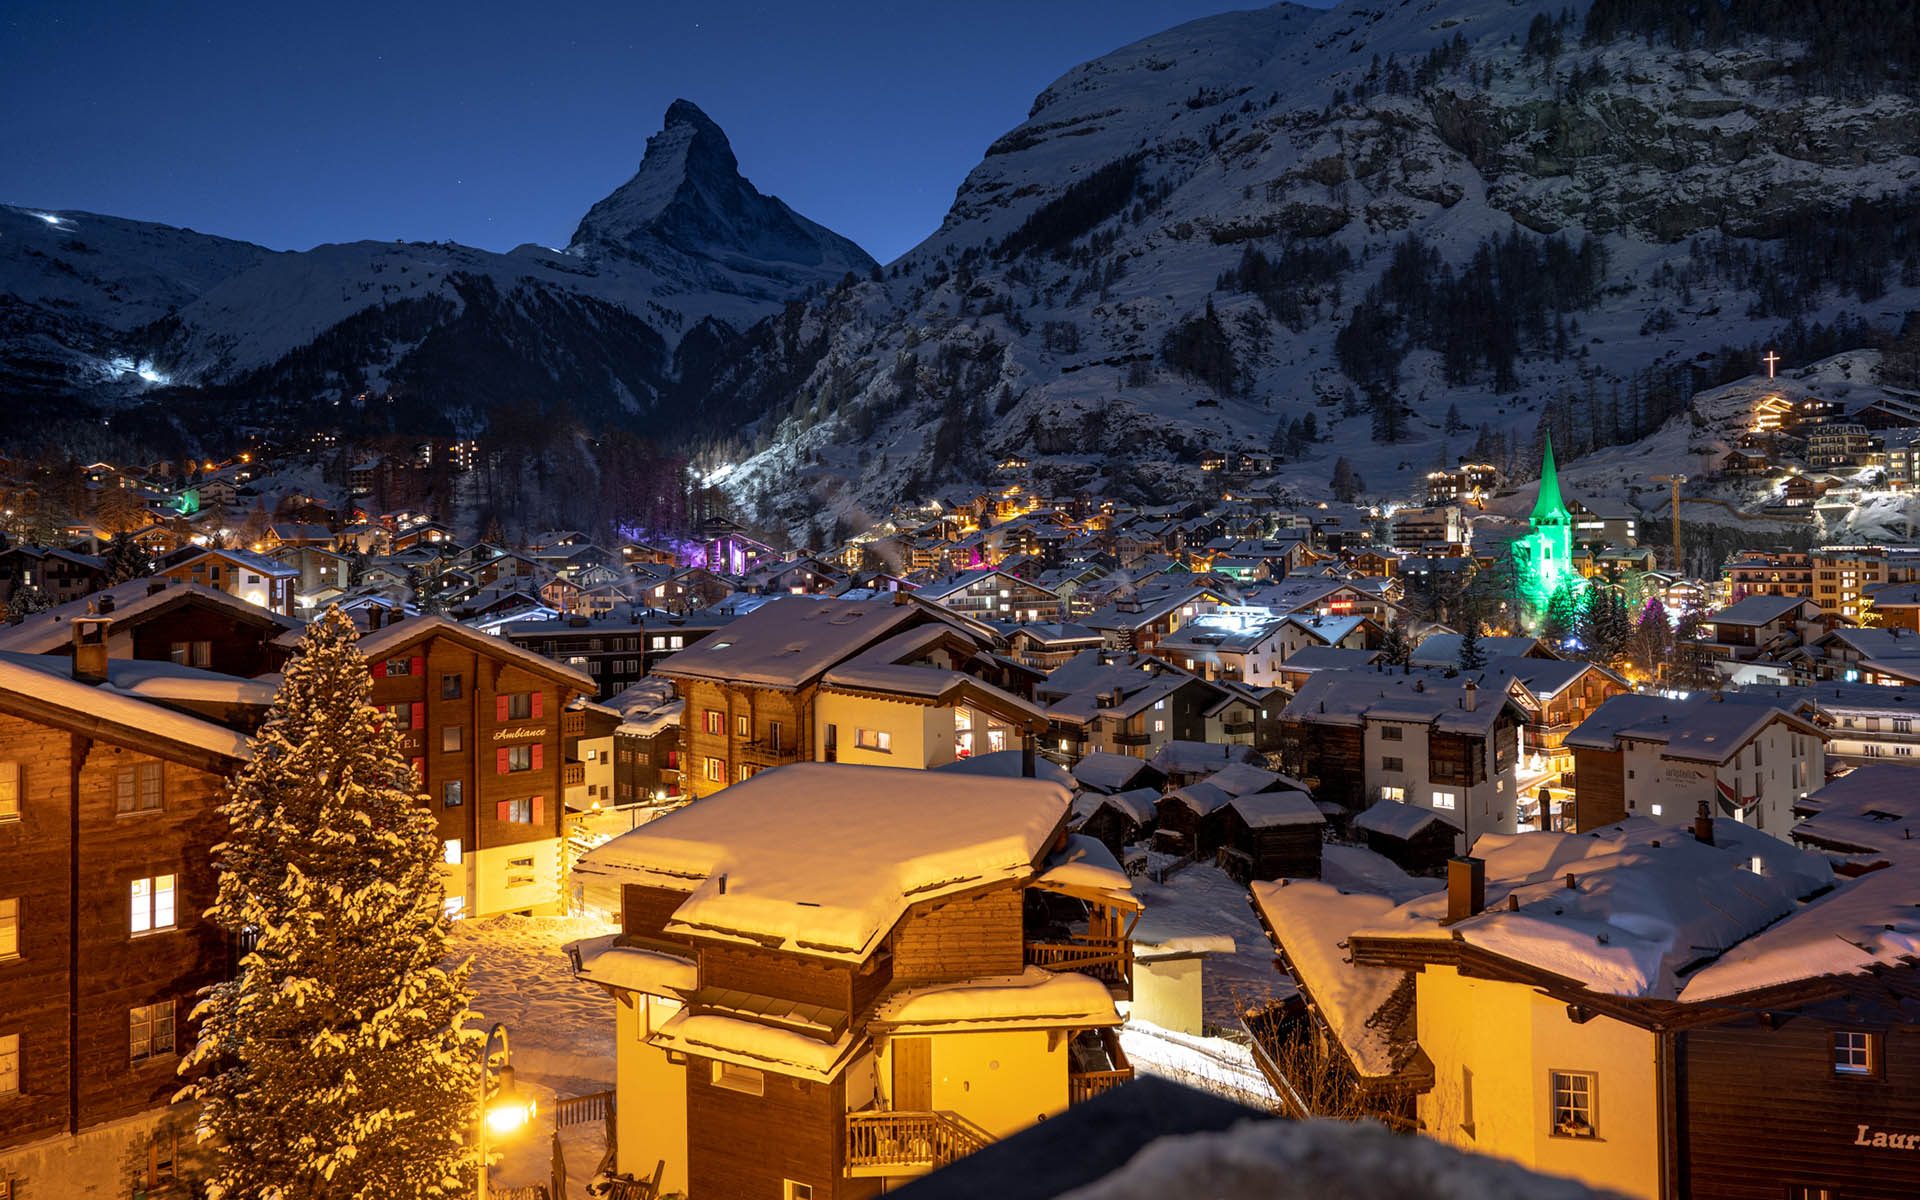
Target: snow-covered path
point(561, 1031)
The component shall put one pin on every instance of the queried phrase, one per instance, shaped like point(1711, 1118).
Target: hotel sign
point(1882, 1140)
point(519, 735)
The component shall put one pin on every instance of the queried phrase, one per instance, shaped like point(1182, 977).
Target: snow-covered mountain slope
point(107, 311)
point(1370, 215)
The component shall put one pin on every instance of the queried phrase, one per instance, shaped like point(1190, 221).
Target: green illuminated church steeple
point(1543, 559)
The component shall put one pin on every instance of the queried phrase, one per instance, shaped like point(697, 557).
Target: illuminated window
point(519, 706)
point(796, 1191)
point(9, 791)
point(878, 740)
point(520, 758)
point(712, 716)
point(1393, 793)
point(449, 738)
point(151, 902)
point(713, 769)
point(517, 812)
point(1573, 1094)
point(1853, 1053)
point(450, 852)
point(10, 927)
point(150, 1031)
point(1446, 800)
point(742, 727)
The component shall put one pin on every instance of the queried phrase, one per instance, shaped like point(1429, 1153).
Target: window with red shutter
point(503, 810)
point(418, 666)
point(539, 806)
point(379, 668)
point(538, 755)
point(537, 706)
point(500, 707)
point(500, 756)
point(419, 716)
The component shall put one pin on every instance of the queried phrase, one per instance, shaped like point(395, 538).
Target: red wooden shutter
point(500, 707)
point(503, 810)
point(537, 697)
point(419, 715)
point(418, 664)
point(539, 755)
point(539, 805)
point(500, 760)
point(379, 668)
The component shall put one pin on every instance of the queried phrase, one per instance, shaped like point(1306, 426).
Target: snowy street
point(561, 1031)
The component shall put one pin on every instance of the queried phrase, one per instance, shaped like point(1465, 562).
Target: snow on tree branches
point(338, 1065)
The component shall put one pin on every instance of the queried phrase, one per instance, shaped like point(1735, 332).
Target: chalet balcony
point(1109, 960)
point(1129, 738)
point(573, 724)
point(573, 774)
point(768, 754)
point(1098, 1066)
point(1231, 728)
point(908, 1143)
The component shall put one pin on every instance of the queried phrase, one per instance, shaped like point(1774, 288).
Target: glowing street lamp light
point(503, 1111)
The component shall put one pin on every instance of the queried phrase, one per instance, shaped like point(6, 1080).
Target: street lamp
point(502, 1109)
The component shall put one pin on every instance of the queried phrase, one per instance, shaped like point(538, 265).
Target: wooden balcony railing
point(573, 724)
point(769, 754)
point(1109, 961)
point(909, 1143)
point(573, 774)
point(1085, 1085)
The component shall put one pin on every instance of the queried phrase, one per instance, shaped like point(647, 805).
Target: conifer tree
point(1473, 657)
point(126, 559)
point(338, 1065)
point(1396, 649)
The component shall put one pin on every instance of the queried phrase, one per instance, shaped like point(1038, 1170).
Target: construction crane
point(1675, 481)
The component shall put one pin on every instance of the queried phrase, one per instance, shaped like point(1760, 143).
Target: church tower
point(1543, 559)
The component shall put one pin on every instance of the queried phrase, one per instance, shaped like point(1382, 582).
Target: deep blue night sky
point(496, 123)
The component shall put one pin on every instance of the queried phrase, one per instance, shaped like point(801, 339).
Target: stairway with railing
point(893, 1143)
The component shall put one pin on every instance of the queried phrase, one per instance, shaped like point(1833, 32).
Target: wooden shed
point(1271, 835)
point(1187, 821)
point(1419, 840)
point(1115, 821)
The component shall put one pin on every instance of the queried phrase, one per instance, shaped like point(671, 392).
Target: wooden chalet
point(824, 992)
point(108, 819)
point(163, 621)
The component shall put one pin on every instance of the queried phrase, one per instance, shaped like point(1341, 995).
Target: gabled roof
point(137, 599)
point(42, 688)
point(823, 858)
point(394, 638)
point(1756, 610)
point(1705, 727)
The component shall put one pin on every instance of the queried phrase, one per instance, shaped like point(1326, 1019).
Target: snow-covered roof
point(1391, 818)
point(1310, 921)
point(392, 638)
point(752, 1044)
point(1036, 998)
point(1704, 727)
point(1136, 803)
point(52, 630)
point(1330, 658)
point(634, 969)
point(1443, 649)
point(1756, 610)
point(1085, 867)
point(1270, 810)
point(1649, 903)
point(1416, 697)
point(823, 858)
point(43, 681)
point(1108, 772)
point(1009, 764)
point(1863, 923)
point(1190, 758)
point(791, 640)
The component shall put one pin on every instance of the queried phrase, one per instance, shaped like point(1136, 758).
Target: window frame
point(130, 789)
point(12, 783)
point(1869, 1052)
point(152, 915)
point(748, 1081)
point(452, 683)
point(453, 739)
point(455, 788)
point(873, 741)
point(10, 928)
point(153, 1020)
point(10, 1064)
point(1591, 1080)
point(519, 759)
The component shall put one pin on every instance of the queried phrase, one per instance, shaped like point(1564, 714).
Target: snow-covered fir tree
point(338, 1065)
point(1473, 656)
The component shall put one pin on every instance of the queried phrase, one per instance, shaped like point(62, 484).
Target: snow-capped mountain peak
point(689, 198)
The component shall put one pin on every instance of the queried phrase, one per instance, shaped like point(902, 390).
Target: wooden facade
point(1600, 798)
point(483, 726)
point(102, 805)
point(1752, 1083)
point(1268, 852)
point(730, 732)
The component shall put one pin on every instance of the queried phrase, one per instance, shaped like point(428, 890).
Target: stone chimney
point(1466, 887)
point(1703, 825)
point(1470, 695)
point(90, 648)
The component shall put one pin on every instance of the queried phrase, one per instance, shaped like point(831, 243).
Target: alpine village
point(1348, 625)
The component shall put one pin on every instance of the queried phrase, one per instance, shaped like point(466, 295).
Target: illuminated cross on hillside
point(1770, 359)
